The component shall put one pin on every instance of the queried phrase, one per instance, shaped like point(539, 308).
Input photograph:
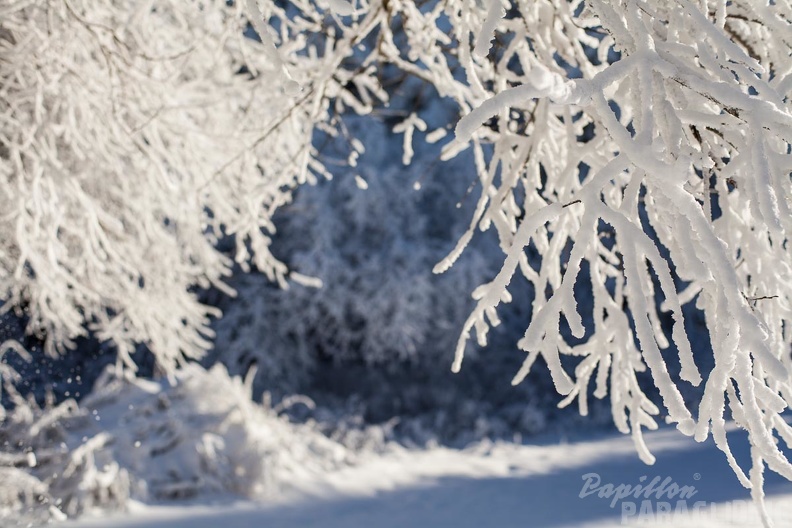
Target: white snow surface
point(493, 484)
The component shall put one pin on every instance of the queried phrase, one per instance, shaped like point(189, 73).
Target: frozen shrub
point(147, 440)
point(371, 237)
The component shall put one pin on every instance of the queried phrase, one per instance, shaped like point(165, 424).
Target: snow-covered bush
point(47, 472)
point(371, 236)
point(146, 440)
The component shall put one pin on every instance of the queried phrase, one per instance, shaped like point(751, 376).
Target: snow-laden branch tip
point(540, 83)
point(341, 7)
point(487, 34)
point(270, 49)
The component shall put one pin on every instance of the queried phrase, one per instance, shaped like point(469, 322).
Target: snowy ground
point(498, 485)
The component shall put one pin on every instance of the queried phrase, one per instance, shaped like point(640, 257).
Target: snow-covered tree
point(640, 147)
point(679, 193)
point(134, 136)
point(379, 304)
